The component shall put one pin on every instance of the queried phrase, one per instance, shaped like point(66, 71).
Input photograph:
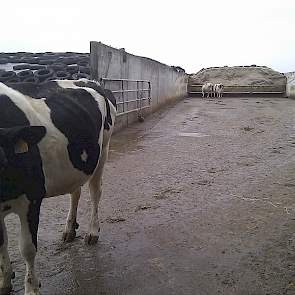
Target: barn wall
point(290, 87)
point(166, 83)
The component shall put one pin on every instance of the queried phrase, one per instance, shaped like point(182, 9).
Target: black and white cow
point(54, 137)
point(218, 90)
point(207, 88)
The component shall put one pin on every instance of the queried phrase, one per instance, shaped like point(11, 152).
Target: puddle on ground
point(226, 108)
point(153, 135)
point(193, 134)
point(125, 143)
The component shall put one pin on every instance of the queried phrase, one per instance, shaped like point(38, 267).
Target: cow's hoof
point(6, 290)
point(68, 237)
point(90, 239)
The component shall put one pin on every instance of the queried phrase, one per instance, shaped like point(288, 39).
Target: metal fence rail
point(131, 95)
point(242, 89)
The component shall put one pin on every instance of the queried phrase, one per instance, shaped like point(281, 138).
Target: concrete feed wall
point(167, 84)
point(290, 87)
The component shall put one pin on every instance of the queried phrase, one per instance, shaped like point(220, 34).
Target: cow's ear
point(22, 137)
point(21, 147)
point(26, 137)
point(31, 134)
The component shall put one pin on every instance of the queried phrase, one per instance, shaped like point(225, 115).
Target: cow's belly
point(61, 176)
point(64, 181)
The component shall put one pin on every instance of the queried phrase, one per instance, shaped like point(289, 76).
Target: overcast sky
point(191, 34)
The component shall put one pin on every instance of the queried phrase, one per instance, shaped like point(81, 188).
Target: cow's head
point(16, 141)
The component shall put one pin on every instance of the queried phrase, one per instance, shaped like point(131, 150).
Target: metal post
point(122, 95)
point(141, 94)
point(150, 92)
point(137, 94)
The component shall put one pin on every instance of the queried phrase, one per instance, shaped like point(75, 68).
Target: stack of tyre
point(43, 67)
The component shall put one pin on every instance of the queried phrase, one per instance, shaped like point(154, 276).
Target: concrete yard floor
point(199, 199)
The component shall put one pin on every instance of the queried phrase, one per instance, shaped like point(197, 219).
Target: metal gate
point(196, 89)
point(131, 95)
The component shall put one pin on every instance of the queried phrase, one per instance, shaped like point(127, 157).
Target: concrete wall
point(167, 84)
point(290, 87)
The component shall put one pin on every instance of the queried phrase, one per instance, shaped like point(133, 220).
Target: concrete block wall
point(290, 87)
point(167, 84)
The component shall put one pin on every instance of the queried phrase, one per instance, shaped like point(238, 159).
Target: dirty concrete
point(198, 199)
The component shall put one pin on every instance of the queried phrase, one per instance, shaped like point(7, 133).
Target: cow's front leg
point(6, 273)
point(69, 233)
point(28, 244)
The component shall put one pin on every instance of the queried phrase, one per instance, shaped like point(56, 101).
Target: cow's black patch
point(76, 114)
point(24, 170)
point(33, 219)
point(6, 208)
point(23, 174)
point(1, 233)
point(26, 88)
point(108, 96)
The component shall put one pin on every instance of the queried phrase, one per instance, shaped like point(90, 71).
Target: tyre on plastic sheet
point(62, 75)
point(80, 76)
point(29, 60)
point(48, 80)
point(5, 76)
point(84, 70)
point(58, 66)
point(72, 69)
point(37, 67)
point(13, 80)
point(21, 67)
point(83, 63)
point(70, 60)
point(4, 61)
point(46, 61)
point(31, 79)
point(24, 74)
point(43, 74)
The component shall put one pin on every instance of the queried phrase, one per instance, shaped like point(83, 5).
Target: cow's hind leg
point(69, 233)
point(6, 273)
point(28, 244)
point(95, 187)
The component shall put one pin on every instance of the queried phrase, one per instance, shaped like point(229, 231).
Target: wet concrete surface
point(198, 199)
